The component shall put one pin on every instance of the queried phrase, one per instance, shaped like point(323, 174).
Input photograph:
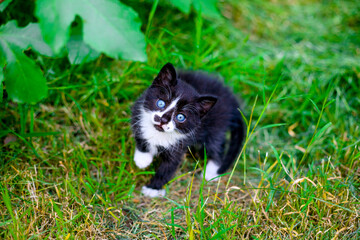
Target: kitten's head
point(173, 105)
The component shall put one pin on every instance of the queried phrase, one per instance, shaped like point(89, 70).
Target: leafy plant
point(108, 26)
point(23, 78)
point(83, 29)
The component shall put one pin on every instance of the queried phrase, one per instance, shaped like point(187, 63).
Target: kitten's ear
point(205, 103)
point(166, 76)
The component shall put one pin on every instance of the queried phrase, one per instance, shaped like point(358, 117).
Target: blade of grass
point(150, 19)
point(248, 136)
point(317, 124)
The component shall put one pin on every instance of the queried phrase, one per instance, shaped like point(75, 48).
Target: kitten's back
point(223, 116)
point(206, 84)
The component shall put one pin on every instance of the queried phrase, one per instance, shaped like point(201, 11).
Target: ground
point(296, 67)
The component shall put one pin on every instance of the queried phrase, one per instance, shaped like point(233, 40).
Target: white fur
point(142, 159)
point(149, 192)
point(160, 113)
point(211, 171)
point(170, 127)
point(156, 138)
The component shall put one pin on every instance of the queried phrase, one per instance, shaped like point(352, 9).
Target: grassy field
point(295, 65)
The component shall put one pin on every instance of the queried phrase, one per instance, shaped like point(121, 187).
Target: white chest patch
point(155, 137)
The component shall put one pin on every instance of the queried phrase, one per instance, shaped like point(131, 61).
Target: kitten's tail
point(238, 133)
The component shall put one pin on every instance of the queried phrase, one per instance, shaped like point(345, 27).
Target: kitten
point(181, 110)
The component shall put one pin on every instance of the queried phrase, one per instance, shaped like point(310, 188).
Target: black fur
point(210, 109)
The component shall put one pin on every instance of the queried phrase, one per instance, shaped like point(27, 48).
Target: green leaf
point(182, 5)
point(2, 65)
point(4, 4)
point(108, 26)
point(2, 59)
point(80, 52)
point(1, 83)
point(55, 18)
point(29, 36)
point(207, 8)
point(23, 78)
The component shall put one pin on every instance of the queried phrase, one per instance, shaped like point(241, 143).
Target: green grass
point(296, 64)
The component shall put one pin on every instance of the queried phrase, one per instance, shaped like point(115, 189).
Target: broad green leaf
point(2, 65)
point(23, 78)
point(55, 18)
point(80, 52)
point(4, 4)
point(108, 26)
point(120, 37)
point(182, 5)
point(29, 36)
point(1, 83)
point(207, 7)
point(2, 58)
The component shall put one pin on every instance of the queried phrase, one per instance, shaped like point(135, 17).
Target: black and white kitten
point(181, 110)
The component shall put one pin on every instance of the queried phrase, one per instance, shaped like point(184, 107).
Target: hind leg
point(211, 172)
point(215, 152)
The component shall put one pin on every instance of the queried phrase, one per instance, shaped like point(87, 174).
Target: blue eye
point(180, 117)
point(160, 103)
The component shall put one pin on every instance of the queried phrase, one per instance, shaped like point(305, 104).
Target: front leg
point(170, 161)
point(142, 157)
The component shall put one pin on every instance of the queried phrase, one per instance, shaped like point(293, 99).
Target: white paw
point(142, 159)
point(150, 192)
point(211, 171)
